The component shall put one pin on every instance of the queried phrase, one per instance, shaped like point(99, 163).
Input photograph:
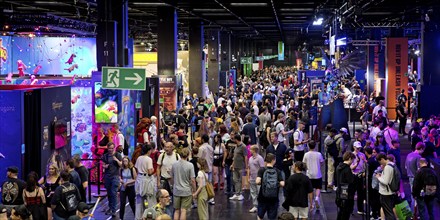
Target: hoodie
point(345, 176)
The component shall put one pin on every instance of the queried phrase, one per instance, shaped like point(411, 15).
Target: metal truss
point(51, 22)
point(383, 24)
point(367, 42)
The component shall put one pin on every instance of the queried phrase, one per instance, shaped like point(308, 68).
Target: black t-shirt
point(12, 191)
point(84, 176)
point(276, 113)
point(249, 129)
point(298, 186)
point(112, 171)
point(230, 147)
point(179, 120)
point(221, 111)
point(202, 107)
point(260, 174)
point(57, 199)
point(198, 121)
point(243, 112)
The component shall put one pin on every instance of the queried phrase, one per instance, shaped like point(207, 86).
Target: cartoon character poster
point(106, 104)
point(81, 104)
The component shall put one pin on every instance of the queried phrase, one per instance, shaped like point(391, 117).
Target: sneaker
point(234, 197)
point(211, 202)
point(361, 213)
point(240, 197)
point(194, 206)
point(317, 203)
point(253, 210)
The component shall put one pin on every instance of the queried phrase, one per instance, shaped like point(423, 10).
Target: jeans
point(229, 185)
point(56, 217)
point(238, 175)
point(111, 185)
point(131, 194)
point(387, 203)
point(254, 192)
point(425, 208)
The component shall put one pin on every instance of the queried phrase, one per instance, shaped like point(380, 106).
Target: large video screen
point(106, 104)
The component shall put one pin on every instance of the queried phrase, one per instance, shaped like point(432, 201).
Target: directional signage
point(245, 60)
point(123, 78)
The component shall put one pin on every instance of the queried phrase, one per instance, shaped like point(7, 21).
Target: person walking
point(145, 184)
point(270, 179)
point(299, 192)
point(359, 176)
point(314, 160)
point(127, 177)
point(346, 186)
point(219, 154)
point(83, 173)
point(256, 162)
point(239, 163)
point(299, 141)
point(201, 194)
point(183, 179)
point(112, 162)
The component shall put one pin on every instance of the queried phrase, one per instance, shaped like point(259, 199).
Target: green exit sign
point(123, 78)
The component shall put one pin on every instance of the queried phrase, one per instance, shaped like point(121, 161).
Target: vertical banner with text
point(397, 66)
point(280, 50)
point(168, 92)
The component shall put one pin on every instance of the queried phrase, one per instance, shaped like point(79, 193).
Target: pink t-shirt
point(249, 154)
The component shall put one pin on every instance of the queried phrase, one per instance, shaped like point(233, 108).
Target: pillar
point(225, 53)
point(213, 61)
point(106, 37)
point(120, 15)
point(197, 73)
point(166, 40)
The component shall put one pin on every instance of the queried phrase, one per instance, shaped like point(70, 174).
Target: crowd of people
point(259, 136)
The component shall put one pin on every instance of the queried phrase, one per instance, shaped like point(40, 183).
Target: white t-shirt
point(377, 108)
point(167, 163)
point(207, 152)
point(143, 164)
point(119, 140)
point(313, 161)
point(298, 136)
point(201, 181)
point(279, 128)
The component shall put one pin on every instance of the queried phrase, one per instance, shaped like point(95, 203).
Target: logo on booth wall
point(3, 51)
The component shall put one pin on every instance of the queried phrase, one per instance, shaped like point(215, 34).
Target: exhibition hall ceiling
point(266, 20)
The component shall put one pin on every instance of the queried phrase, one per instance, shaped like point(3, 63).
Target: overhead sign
point(280, 50)
point(261, 58)
point(123, 78)
point(245, 60)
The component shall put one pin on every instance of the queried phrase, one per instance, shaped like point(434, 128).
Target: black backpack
point(332, 149)
point(394, 185)
point(69, 199)
point(270, 184)
point(430, 182)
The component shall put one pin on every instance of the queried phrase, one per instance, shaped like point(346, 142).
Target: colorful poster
point(81, 121)
point(168, 92)
point(65, 56)
point(397, 65)
point(280, 50)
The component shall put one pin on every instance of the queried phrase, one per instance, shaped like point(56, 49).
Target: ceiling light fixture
point(243, 4)
point(318, 21)
point(150, 3)
point(296, 9)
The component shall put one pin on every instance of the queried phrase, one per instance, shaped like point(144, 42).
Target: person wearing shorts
point(314, 161)
point(184, 185)
point(299, 192)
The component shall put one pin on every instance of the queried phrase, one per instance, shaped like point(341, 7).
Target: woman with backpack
point(34, 198)
point(127, 177)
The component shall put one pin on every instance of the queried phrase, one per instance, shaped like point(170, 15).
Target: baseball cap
point(83, 207)
point(12, 169)
point(357, 144)
point(343, 130)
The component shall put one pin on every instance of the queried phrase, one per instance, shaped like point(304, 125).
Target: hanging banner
point(280, 50)
point(168, 92)
point(397, 65)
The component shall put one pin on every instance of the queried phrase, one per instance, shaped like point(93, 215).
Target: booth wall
point(11, 105)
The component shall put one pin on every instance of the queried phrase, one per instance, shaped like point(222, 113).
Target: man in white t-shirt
point(299, 142)
point(164, 164)
point(207, 152)
point(314, 160)
point(380, 107)
point(145, 170)
point(279, 128)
